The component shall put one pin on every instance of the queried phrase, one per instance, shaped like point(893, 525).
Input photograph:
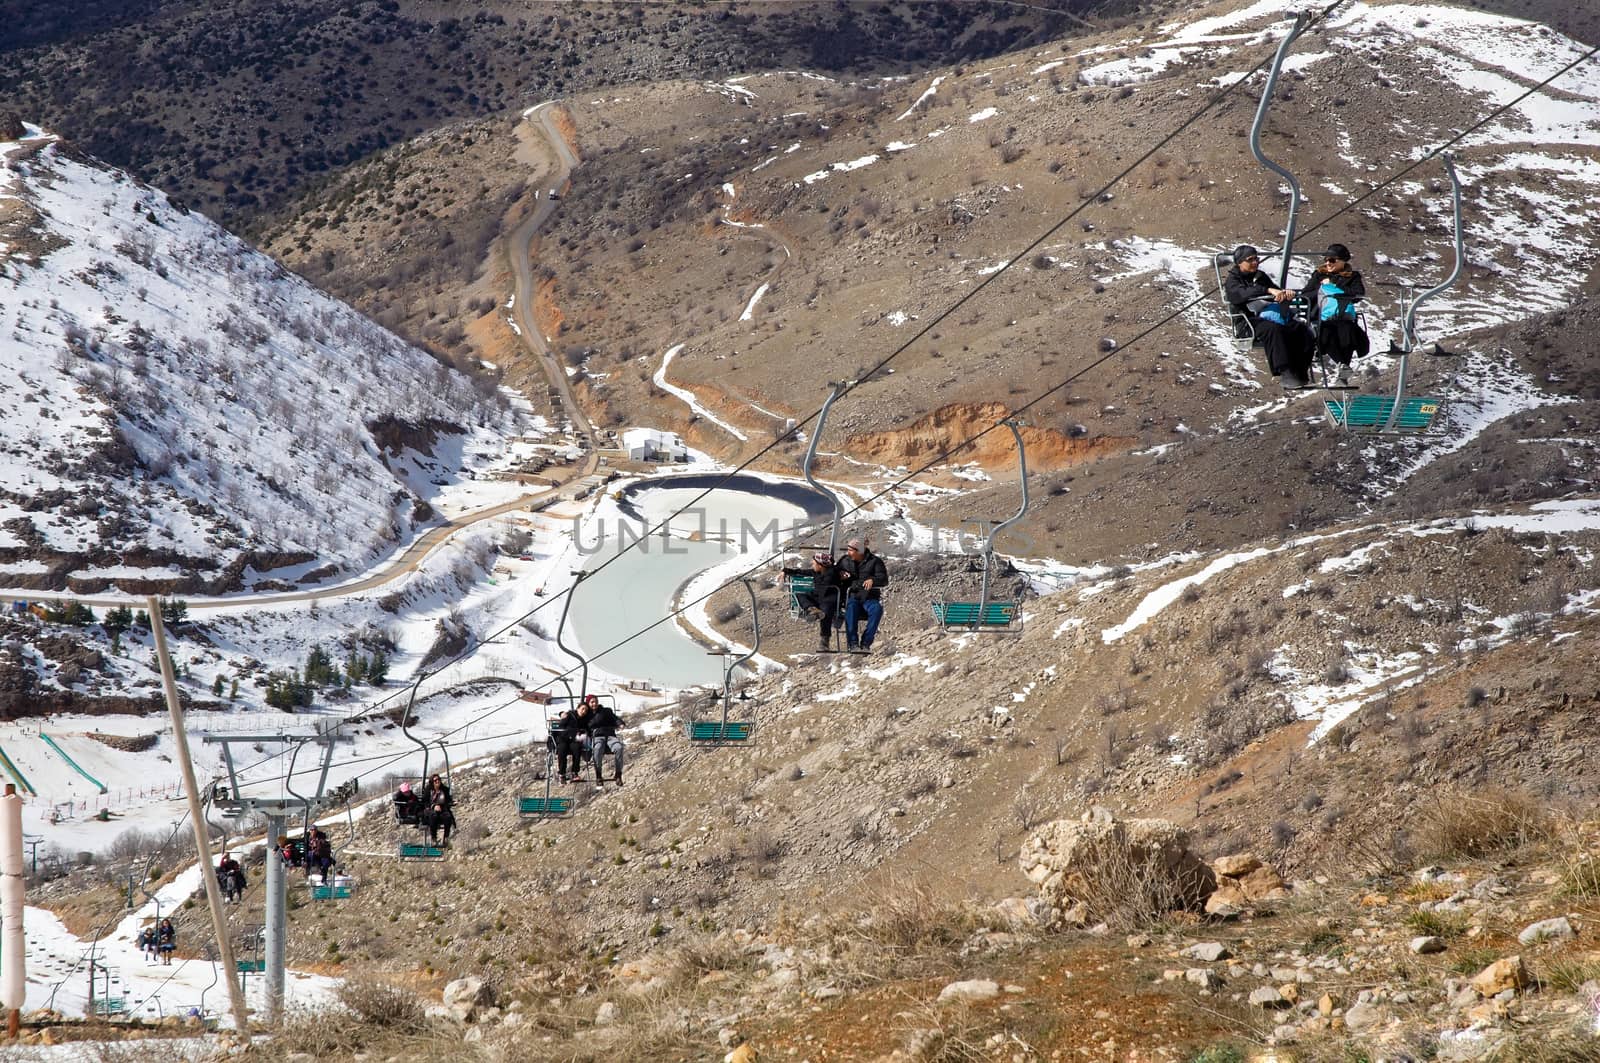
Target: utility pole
point(202, 840)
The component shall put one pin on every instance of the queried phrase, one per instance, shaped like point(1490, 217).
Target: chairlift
point(715, 733)
point(1244, 332)
point(1403, 414)
point(984, 615)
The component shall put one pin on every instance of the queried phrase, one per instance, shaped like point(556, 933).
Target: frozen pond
point(734, 525)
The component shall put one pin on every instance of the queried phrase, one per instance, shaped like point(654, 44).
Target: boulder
point(1363, 1017)
point(1236, 866)
point(607, 1013)
point(1424, 946)
point(1503, 974)
point(1096, 861)
point(1207, 951)
point(1204, 977)
point(973, 989)
point(745, 1053)
point(1557, 929)
point(1268, 998)
point(474, 992)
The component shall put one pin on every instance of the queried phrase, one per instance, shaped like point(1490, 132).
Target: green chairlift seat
point(330, 893)
point(544, 807)
point(712, 732)
point(796, 586)
point(1370, 414)
point(986, 614)
point(111, 1006)
point(420, 851)
point(1004, 615)
point(251, 966)
point(715, 733)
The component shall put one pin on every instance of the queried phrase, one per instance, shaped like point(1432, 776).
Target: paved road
point(519, 249)
point(407, 562)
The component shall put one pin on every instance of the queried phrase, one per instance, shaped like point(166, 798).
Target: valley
point(1255, 738)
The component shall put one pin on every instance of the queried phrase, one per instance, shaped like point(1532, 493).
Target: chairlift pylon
point(713, 734)
point(1403, 414)
point(986, 615)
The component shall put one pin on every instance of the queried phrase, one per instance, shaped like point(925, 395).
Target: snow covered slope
point(180, 409)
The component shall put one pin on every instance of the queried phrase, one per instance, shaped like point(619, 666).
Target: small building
point(649, 444)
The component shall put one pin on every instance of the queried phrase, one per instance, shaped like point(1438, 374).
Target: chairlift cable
point(1074, 377)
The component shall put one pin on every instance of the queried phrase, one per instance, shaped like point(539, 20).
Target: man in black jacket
point(822, 601)
point(864, 575)
point(1265, 311)
point(567, 745)
point(601, 725)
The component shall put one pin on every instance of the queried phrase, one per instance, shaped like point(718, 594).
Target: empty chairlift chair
point(720, 731)
point(1400, 413)
point(986, 614)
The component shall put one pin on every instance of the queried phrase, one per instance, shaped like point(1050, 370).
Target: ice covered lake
point(728, 530)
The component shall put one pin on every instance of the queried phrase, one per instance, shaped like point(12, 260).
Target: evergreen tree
point(233, 691)
point(378, 668)
point(174, 611)
point(216, 686)
point(141, 619)
point(117, 621)
point(319, 670)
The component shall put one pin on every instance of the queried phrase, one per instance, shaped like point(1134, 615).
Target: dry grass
point(1580, 876)
point(384, 1005)
point(332, 1034)
point(1460, 824)
point(1127, 892)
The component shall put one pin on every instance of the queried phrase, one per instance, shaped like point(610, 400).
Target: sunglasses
point(1332, 258)
point(1252, 258)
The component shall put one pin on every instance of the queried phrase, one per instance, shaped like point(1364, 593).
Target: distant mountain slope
point(195, 96)
point(179, 407)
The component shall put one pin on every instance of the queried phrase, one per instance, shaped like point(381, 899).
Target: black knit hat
point(1338, 251)
point(1244, 251)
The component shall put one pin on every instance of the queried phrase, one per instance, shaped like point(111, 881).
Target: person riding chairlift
point(1332, 292)
point(821, 602)
point(601, 725)
point(407, 805)
point(230, 876)
point(1266, 312)
point(564, 739)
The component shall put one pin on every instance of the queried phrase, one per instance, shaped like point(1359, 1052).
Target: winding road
point(519, 249)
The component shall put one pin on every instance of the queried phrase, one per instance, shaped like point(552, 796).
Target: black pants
point(567, 748)
point(1341, 340)
point(440, 821)
point(1288, 347)
point(830, 611)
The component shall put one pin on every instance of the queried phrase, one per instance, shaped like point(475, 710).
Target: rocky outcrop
point(1242, 881)
point(1101, 868)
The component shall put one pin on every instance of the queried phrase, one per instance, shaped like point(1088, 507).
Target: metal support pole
point(1255, 143)
point(277, 922)
point(202, 838)
point(811, 456)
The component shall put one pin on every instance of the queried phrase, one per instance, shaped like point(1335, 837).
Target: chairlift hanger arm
point(1022, 479)
point(583, 662)
point(1284, 46)
point(811, 456)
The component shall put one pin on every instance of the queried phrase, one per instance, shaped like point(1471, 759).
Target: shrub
point(381, 1004)
point(1466, 825)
